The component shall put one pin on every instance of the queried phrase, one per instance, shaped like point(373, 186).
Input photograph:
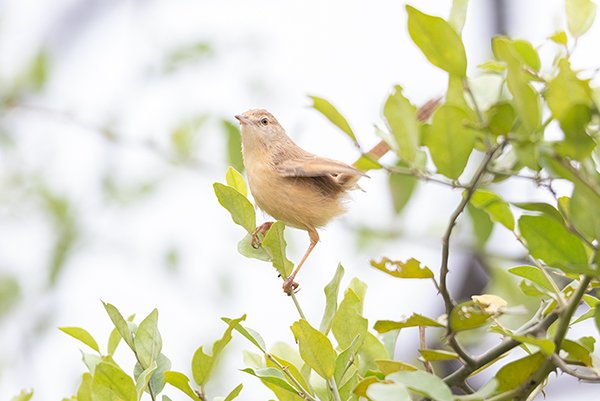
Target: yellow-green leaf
point(82, 335)
point(333, 115)
point(274, 243)
point(240, 208)
point(516, 373)
point(315, 348)
point(437, 355)
point(412, 268)
point(414, 320)
point(496, 207)
point(110, 383)
point(235, 180)
point(438, 41)
point(401, 117)
point(580, 16)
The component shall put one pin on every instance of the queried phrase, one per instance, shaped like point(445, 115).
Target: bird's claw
point(290, 286)
point(259, 233)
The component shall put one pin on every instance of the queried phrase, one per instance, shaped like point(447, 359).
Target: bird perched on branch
point(290, 184)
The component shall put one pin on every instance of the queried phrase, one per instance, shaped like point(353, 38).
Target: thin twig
point(302, 392)
point(297, 304)
point(334, 390)
point(562, 365)
point(424, 176)
point(423, 345)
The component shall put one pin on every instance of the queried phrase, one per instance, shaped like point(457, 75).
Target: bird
point(298, 188)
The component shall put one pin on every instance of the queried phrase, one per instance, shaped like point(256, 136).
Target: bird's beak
point(242, 119)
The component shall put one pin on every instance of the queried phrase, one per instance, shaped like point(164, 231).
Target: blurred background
point(117, 116)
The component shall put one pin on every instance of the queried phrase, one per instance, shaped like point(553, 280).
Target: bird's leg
point(262, 229)
point(289, 285)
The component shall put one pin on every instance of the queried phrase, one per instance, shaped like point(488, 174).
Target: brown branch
point(423, 345)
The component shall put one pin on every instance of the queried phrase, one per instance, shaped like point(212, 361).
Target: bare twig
point(423, 345)
point(562, 365)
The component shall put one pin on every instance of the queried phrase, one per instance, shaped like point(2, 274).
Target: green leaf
point(401, 189)
point(235, 180)
point(401, 117)
point(424, 384)
point(250, 334)
point(449, 141)
point(234, 393)
point(467, 316)
point(458, 13)
point(559, 38)
point(534, 275)
point(545, 345)
point(438, 41)
point(388, 392)
point(517, 373)
point(24, 395)
point(113, 341)
point(414, 320)
point(331, 295)
point(240, 208)
point(84, 391)
point(157, 378)
point(577, 352)
point(274, 243)
point(437, 355)
point(110, 383)
point(272, 376)
point(82, 335)
point(315, 348)
point(525, 98)
point(550, 241)
point(182, 382)
point(333, 115)
point(584, 207)
point(410, 269)
point(493, 66)
point(501, 118)
point(91, 361)
point(577, 145)
point(387, 366)
point(567, 90)
point(496, 207)
point(120, 324)
point(234, 145)
point(143, 379)
point(246, 249)
point(348, 322)
point(202, 363)
point(346, 357)
point(541, 207)
point(580, 16)
point(597, 318)
point(148, 342)
point(482, 225)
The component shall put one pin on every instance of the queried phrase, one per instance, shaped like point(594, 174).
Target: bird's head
point(260, 125)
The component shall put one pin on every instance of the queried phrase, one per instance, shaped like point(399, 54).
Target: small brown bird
point(296, 187)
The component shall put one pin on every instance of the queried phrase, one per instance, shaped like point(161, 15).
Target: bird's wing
point(314, 166)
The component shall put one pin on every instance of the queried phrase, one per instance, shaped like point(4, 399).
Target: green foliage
point(506, 140)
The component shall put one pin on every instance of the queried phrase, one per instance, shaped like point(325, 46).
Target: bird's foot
point(290, 286)
point(259, 233)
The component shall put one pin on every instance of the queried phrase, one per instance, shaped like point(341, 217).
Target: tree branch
point(562, 365)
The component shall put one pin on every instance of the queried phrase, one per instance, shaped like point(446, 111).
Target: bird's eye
point(264, 121)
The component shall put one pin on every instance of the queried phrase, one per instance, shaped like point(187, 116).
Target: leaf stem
point(302, 392)
point(334, 390)
point(297, 304)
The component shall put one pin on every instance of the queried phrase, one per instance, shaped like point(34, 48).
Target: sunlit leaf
point(110, 383)
point(482, 225)
point(496, 207)
point(437, 355)
point(541, 207)
point(84, 391)
point(401, 117)
point(458, 13)
point(143, 379)
point(577, 352)
point(516, 373)
point(120, 324)
point(414, 320)
point(450, 141)
point(250, 334)
point(401, 190)
point(272, 376)
point(423, 383)
point(584, 207)
point(234, 145)
point(148, 342)
point(412, 268)
point(468, 315)
point(240, 208)
point(388, 392)
point(24, 395)
point(274, 243)
point(501, 118)
point(438, 41)
point(234, 393)
point(333, 115)
point(559, 38)
point(331, 295)
point(387, 366)
point(246, 249)
point(545, 345)
point(315, 348)
point(82, 335)
point(182, 382)
point(348, 322)
point(550, 241)
point(532, 274)
point(580, 16)
point(235, 180)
